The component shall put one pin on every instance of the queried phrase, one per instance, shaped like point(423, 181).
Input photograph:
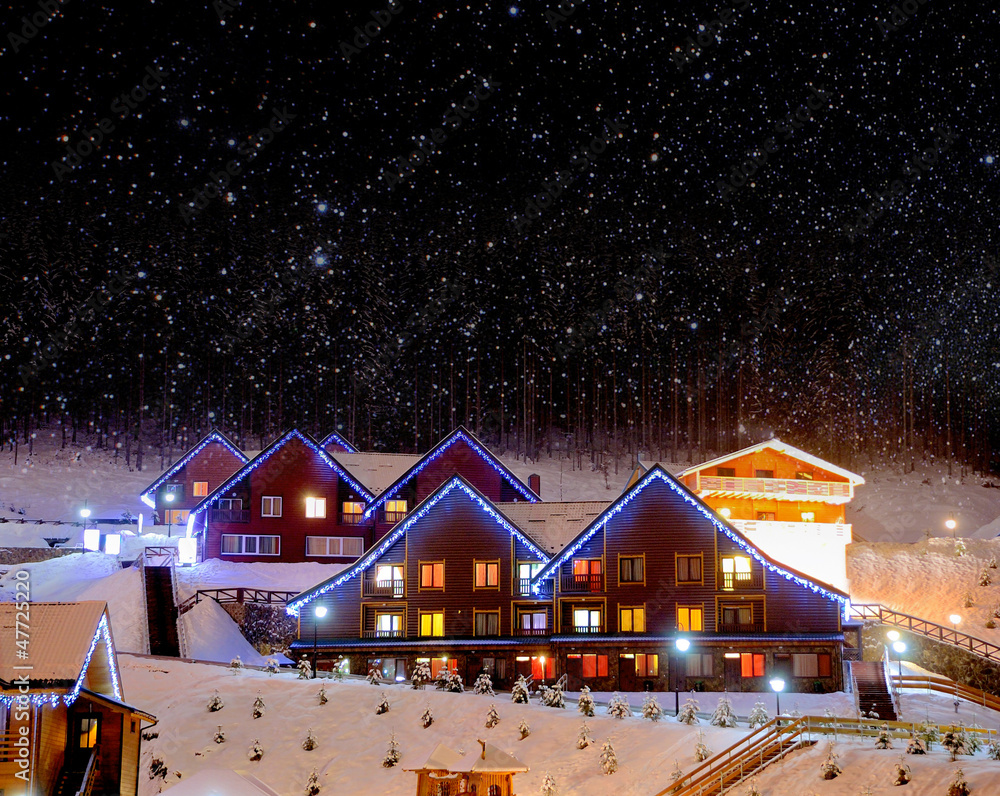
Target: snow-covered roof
point(213, 436)
point(489, 760)
point(552, 525)
point(333, 438)
point(777, 445)
point(377, 471)
point(459, 434)
point(219, 782)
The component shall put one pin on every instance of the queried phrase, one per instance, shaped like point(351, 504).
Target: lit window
point(587, 619)
point(487, 574)
point(388, 624)
point(200, 488)
point(801, 475)
point(432, 576)
point(270, 506)
point(88, 732)
point(432, 623)
point(353, 513)
point(632, 620)
point(395, 510)
point(533, 621)
point(591, 665)
point(386, 573)
point(808, 516)
point(735, 569)
point(646, 664)
point(751, 664)
point(690, 618)
point(315, 507)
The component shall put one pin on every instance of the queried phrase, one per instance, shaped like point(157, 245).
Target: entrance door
point(734, 677)
point(626, 673)
point(86, 733)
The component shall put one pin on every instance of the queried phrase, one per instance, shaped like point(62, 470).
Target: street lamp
point(954, 619)
point(318, 613)
point(169, 497)
point(899, 648)
point(777, 685)
point(683, 645)
point(950, 524)
point(89, 542)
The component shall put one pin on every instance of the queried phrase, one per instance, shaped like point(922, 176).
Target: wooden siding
point(294, 472)
point(214, 463)
point(783, 465)
point(51, 746)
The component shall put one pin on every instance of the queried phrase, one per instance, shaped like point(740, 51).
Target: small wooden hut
point(447, 773)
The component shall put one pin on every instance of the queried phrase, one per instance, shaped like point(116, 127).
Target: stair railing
point(90, 773)
point(141, 566)
point(947, 635)
point(182, 640)
point(889, 684)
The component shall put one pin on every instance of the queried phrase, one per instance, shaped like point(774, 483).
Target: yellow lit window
point(353, 512)
point(487, 574)
point(632, 620)
point(690, 619)
point(88, 733)
point(432, 623)
point(808, 516)
point(315, 507)
point(200, 488)
point(735, 568)
point(432, 576)
point(395, 510)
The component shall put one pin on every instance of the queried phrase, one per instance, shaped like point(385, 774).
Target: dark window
point(737, 615)
point(488, 623)
point(763, 473)
point(725, 472)
point(630, 570)
point(765, 516)
point(689, 569)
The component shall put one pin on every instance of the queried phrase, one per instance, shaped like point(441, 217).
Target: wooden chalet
point(489, 773)
point(450, 584)
point(335, 443)
point(192, 477)
point(293, 502)
point(64, 725)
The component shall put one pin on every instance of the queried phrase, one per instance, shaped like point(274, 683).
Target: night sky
point(320, 258)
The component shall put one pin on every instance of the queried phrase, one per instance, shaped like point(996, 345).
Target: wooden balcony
point(229, 515)
point(822, 531)
point(754, 628)
point(522, 587)
point(395, 589)
point(586, 629)
point(739, 581)
point(382, 634)
point(532, 631)
point(774, 488)
point(352, 519)
point(577, 584)
point(395, 516)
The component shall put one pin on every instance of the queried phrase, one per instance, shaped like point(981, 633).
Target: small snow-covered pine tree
point(993, 563)
point(758, 716)
point(524, 729)
point(902, 773)
point(676, 774)
point(272, 666)
point(830, 769)
point(689, 712)
point(236, 664)
point(484, 685)
point(338, 670)
point(583, 739)
point(585, 704)
point(427, 718)
point(953, 741)
point(959, 547)
point(322, 695)
point(258, 706)
point(618, 706)
point(392, 755)
point(220, 736)
point(305, 670)
point(553, 697)
point(450, 681)
point(519, 693)
point(215, 703)
point(548, 787)
point(884, 739)
point(752, 788)
point(958, 787)
point(492, 717)
point(157, 768)
point(701, 751)
point(969, 600)
point(374, 675)
point(651, 708)
point(993, 750)
point(256, 751)
point(916, 746)
point(985, 579)
point(312, 786)
point(310, 742)
point(724, 715)
point(421, 675)
point(383, 705)
point(609, 761)
point(929, 734)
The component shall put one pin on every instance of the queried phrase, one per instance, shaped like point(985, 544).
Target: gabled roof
point(658, 473)
point(333, 438)
point(377, 471)
point(216, 781)
point(269, 451)
point(553, 525)
point(400, 528)
point(777, 445)
point(62, 640)
point(213, 436)
point(489, 760)
point(460, 433)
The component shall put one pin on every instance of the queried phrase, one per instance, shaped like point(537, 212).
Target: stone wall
point(31, 555)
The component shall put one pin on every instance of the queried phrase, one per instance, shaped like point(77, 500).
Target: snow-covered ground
point(352, 740)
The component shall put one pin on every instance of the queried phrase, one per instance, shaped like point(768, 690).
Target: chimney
point(535, 483)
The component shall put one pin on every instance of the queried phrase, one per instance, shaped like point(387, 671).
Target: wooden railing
point(586, 629)
point(522, 587)
point(943, 685)
point(382, 633)
point(8, 751)
point(229, 515)
point(946, 635)
point(239, 595)
point(792, 488)
point(90, 773)
point(732, 581)
point(160, 556)
point(581, 583)
point(737, 628)
point(384, 588)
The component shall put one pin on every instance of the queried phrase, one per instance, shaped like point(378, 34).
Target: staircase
point(161, 613)
point(914, 624)
point(77, 779)
point(872, 690)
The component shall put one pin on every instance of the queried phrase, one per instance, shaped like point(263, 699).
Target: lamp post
point(683, 645)
point(899, 648)
point(951, 525)
point(85, 513)
point(954, 619)
point(318, 613)
point(777, 685)
point(169, 497)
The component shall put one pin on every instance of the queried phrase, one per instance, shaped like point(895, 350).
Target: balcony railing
point(581, 583)
point(229, 515)
point(382, 634)
point(737, 628)
point(384, 588)
point(809, 530)
point(394, 516)
point(776, 488)
point(522, 587)
point(531, 631)
point(740, 581)
point(587, 629)
point(351, 518)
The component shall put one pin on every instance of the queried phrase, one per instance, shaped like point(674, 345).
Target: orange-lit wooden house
point(447, 773)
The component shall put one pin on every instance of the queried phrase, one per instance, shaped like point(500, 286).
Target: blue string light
point(658, 473)
point(264, 456)
point(215, 436)
point(456, 482)
point(431, 455)
point(333, 438)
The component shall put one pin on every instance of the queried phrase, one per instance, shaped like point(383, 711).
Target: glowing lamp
point(92, 539)
point(725, 512)
point(950, 524)
point(113, 544)
point(899, 647)
point(682, 644)
point(85, 513)
point(187, 550)
point(954, 619)
point(892, 635)
point(169, 497)
point(320, 611)
point(777, 685)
